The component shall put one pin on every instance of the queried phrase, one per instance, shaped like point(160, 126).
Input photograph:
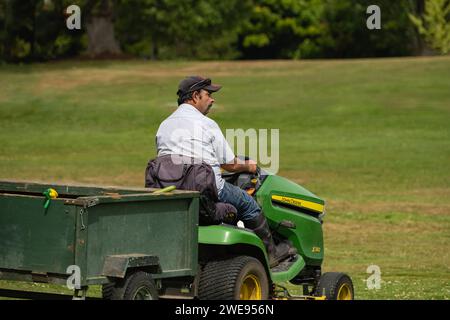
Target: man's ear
point(196, 96)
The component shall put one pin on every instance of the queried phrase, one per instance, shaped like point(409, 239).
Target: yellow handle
point(166, 189)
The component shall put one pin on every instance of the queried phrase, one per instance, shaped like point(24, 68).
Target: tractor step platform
point(287, 269)
point(285, 264)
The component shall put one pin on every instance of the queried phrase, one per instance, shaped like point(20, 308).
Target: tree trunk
point(155, 49)
point(33, 33)
point(100, 29)
point(101, 39)
point(418, 11)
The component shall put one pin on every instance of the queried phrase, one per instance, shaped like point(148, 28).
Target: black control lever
point(287, 224)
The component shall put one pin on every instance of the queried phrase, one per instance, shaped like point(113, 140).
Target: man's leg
point(250, 213)
point(247, 207)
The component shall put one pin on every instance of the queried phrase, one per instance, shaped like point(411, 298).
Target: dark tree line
point(35, 30)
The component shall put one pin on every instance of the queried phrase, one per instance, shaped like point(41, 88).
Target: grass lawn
point(371, 137)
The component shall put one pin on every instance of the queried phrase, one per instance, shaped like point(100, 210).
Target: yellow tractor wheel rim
point(345, 292)
point(250, 288)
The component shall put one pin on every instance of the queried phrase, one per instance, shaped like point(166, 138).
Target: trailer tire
point(335, 286)
point(237, 278)
point(138, 285)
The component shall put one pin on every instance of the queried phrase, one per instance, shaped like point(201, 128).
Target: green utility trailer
point(118, 238)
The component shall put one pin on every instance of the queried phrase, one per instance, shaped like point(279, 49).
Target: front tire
point(335, 286)
point(238, 278)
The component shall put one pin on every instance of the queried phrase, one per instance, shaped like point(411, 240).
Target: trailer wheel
point(136, 286)
point(238, 278)
point(335, 286)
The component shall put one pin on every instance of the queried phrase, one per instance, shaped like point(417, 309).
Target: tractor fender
point(236, 239)
point(228, 235)
point(244, 241)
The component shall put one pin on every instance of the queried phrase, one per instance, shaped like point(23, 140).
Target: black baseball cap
point(195, 83)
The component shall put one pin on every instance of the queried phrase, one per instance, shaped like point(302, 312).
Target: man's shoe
point(275, 252)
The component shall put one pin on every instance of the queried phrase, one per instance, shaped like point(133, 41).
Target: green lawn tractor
point(234, 262)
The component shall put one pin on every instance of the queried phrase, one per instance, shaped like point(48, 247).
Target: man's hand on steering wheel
point(252, 166)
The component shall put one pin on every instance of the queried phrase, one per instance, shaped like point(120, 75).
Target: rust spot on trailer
point(113, 195)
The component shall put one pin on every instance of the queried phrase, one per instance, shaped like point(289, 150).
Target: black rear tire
point(237, 278)
point(136, 286)
point(335, 286)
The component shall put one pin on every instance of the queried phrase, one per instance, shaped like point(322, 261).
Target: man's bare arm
point(239, 165)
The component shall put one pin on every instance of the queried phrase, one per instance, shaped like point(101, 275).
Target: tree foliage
point(283, 29)
point(435, 24)
point(35, 30)
point(189, 28)
point(348, 36)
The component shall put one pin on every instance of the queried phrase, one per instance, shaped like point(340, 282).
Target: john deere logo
point(316, 249)
point(299, 203)
point(291, 201)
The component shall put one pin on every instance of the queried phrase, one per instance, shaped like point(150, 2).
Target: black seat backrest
point(186, 173)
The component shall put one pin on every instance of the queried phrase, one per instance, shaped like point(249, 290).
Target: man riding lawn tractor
point(283, 244)
point(195, 139)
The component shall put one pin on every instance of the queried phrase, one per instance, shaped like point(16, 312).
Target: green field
point(371, 137)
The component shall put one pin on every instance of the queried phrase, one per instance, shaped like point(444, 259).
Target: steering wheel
point(257, 174)
point(234, 177)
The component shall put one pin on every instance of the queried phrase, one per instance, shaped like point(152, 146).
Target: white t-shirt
point(189, 133)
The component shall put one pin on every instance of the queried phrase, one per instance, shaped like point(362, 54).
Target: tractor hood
point(285, 192)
